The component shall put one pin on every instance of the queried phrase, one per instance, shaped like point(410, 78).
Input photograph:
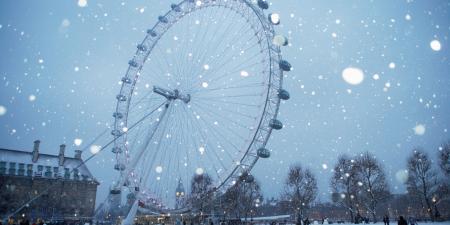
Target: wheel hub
point(172, 95)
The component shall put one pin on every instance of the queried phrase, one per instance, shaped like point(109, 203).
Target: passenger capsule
point(246, 177)
point(285, 65)
point(243, 175)
point(116, 150)
point(263, 153)
point(142, 47)
point(119, 167)
point(126, 80)
point(263, 4)
point(151, 32)
point(163, 19)
point(283, 94)
point(118, 115)
point(280, 40)
point(121, 98)
point(133, 63)
point(274, 18)
point(249, 178)
point(175, 7)
point(116, 133)
point(275, 124)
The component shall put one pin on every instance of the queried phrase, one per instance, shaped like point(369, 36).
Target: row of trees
point(244, 197)
point(359, 184)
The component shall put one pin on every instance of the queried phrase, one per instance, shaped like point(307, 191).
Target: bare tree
point(443, 192)
point(300, 189)
point(240, 200)
point(344, 185)
point(230, 201)
point(201, 188)
point(422, 180)
point(444, 159)
point(373, 187)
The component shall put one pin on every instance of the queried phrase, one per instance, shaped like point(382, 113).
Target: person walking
point(306, 221)
point(402, 221)
point(10, 220)
point(386, 219)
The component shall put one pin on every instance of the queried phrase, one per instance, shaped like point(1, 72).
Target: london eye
point(202, 91)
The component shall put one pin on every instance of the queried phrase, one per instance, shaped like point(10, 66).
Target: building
point(62, 187)
point(179, 195)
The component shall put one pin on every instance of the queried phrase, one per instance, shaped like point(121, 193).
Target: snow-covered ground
point(391, 223)
point(315, 222)
point(419, 223)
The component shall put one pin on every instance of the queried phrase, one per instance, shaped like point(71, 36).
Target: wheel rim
point(247, 89)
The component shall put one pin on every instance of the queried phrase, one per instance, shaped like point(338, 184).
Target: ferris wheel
point(200, 96)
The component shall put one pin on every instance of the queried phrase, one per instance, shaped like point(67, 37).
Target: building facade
point(50, 187)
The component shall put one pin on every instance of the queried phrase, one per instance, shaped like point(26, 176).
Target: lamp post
point(436, 212)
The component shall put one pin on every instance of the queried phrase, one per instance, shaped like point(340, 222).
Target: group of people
point(360, 219)
point(25, 221)
point(401, 220)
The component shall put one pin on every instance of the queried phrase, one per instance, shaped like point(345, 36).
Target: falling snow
point(77, 141)
point(31, 98)
point(435, 45)
point(2, 110)
point(419, 129)
point(82, 3)
point(95, 149)
point(363, 81)
point(353, 76)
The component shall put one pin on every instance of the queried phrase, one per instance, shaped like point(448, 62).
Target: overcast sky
point(61, 63)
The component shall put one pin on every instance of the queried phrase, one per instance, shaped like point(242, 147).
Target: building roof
point(17, 156)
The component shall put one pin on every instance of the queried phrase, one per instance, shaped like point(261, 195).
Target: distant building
point(64, 195)
point(180, 195)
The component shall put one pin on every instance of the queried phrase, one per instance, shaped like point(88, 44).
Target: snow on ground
point(391, 223)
